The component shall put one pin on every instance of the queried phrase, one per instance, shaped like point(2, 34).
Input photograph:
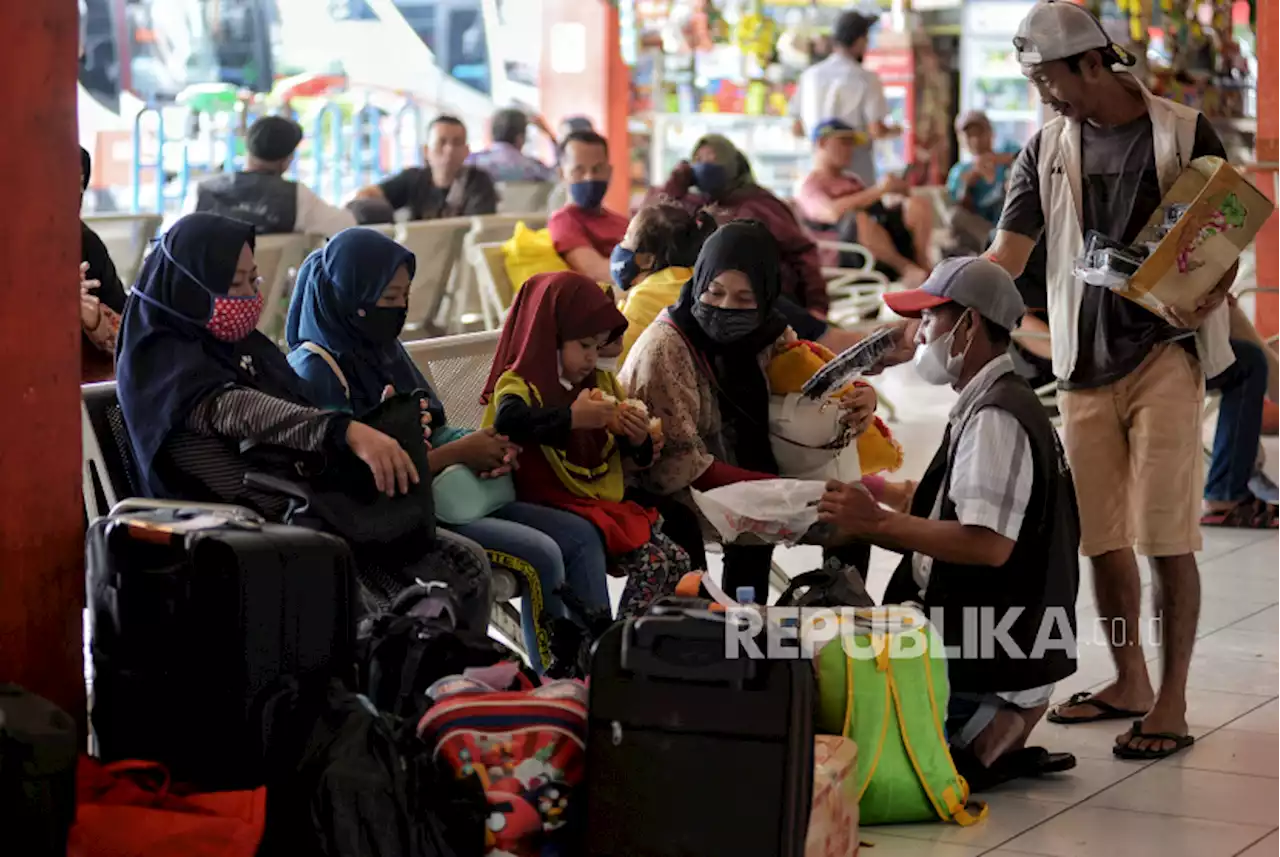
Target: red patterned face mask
point(234, 318)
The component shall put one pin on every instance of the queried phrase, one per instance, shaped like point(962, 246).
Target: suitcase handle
point(148, 504)
point(646, 647)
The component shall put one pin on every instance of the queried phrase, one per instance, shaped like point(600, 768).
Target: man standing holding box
point(1132, 381)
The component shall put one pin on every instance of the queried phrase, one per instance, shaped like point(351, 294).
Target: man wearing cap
point(1132, 381)
point(261, 195)
point(842, 88)
point(990, 535)
point(977, 185)
point(836, 205)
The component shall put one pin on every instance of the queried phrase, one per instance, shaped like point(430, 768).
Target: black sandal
point(1106, 711)
point(1126, 750)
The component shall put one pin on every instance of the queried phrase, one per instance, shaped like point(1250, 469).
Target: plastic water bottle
point(745, 594)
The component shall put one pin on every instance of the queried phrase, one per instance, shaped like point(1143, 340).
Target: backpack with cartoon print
point(526, 747)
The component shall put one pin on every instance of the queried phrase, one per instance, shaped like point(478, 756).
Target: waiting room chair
point(125, 237)
point(461, 306)
point(457, 368)
point(523, 196)
point(277, 256)
point(437, 244)
point(496, 291)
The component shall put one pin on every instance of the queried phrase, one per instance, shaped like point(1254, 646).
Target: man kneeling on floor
point(990, 535)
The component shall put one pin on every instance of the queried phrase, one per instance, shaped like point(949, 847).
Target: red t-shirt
point(572, 227)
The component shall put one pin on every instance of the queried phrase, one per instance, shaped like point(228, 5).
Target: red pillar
point(583, 74)
point(41, 537)
point(1267, 244)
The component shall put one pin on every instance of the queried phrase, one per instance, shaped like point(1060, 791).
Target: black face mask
point(725, 326)
point(381, 324)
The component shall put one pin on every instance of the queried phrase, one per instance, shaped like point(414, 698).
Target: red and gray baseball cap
point(970, 281)
point(1057, 29)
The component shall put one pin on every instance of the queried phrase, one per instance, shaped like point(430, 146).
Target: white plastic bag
point(800, 429)
point(774, 510)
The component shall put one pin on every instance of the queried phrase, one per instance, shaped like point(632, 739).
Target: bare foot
point(1129, 699)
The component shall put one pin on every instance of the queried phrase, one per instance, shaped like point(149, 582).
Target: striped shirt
point(991, 466)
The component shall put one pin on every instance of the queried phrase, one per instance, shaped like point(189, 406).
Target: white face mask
point(936, 364)
point(608, 364)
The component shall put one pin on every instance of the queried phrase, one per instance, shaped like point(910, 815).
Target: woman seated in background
point(101, 297)
point(344, 324)
point(701, 369)
point(547, 393)
point(195, 380)
point(727, 187)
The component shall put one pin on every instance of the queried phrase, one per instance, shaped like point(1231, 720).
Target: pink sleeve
point(810, 191)
point(567, 232)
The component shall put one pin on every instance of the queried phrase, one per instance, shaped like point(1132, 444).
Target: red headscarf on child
point(549, 310)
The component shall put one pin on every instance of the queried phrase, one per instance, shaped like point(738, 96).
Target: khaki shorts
point(1135, 453)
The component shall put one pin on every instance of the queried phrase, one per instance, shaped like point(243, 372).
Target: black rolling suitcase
point(690, 752)
point(38, 751)
point(197, 612)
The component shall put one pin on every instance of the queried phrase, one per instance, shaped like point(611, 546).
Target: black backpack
point(405, 650)
point(833, 585)
point(341, 782)
point(38, 747)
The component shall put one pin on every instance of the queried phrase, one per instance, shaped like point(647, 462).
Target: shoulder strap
point(333, 364)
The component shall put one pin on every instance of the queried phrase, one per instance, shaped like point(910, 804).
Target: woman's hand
point(90, 306)
point(859, 407)
point(391, 466)
point(484, 451)
point(589, 413)
point(634, 425)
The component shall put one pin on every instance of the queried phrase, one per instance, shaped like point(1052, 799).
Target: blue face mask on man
point(623, 267)
point(588, 194)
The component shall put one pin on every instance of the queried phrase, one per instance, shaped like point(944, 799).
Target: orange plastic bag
point(125, 809)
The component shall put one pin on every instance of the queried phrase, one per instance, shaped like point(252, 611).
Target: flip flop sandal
point(1246, 515)
point(1126, 750)
point(1106, 711)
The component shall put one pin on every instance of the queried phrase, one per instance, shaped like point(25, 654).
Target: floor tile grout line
point(1251, 844)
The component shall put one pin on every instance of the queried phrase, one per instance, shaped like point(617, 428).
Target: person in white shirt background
point(839, 87)
point(261, 195)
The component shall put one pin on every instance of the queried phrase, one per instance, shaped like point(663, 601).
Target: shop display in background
point(990, 78)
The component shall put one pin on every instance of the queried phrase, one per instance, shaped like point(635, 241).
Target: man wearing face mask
point(992, 526)
point(584, 232)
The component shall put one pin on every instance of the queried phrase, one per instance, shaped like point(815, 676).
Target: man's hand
point(1209, 302)
point(850, 508)
point(904, 345)
point(859, 407)
point(892, 184)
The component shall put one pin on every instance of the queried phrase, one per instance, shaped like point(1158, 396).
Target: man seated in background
point(443, 187)
point(505, 160)
point(584, 232)
point(991, 528)
point(977, 186)
point(261, 195)
point(560, 196)
point(836, 205)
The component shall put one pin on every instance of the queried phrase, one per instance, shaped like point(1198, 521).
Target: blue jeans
point(1235, 441)
point(581, 548)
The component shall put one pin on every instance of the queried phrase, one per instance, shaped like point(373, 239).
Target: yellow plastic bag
point(528, 252)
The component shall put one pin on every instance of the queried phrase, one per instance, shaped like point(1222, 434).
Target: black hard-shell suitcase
point(693, 753)
point(38, 750)
point(193, 628)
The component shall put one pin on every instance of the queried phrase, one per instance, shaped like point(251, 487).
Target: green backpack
point(881, 685)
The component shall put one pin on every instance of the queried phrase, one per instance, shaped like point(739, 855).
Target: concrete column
point(41, 534)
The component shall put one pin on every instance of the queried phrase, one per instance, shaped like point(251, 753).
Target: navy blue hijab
point(167, 362)
point(337, 281)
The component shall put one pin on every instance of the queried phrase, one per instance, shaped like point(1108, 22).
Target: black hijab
point(741, 388)
point(167, 362)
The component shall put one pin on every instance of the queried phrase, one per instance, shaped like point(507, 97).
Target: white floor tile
point(1263, 620)
point(1173, 790)
point(881, 844)
point(1266, 718)
point(1098, 831)
point(1088, 778)
point(1268, 847)
point(1086, 740)
point(1233, 675)
point(1233, 751)
point(1009, 816)
point(1209, 710)
point(1242, 645)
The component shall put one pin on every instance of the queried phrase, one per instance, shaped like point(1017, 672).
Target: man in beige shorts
point(1132, 382)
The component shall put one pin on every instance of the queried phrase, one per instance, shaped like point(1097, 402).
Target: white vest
point(1173, 129)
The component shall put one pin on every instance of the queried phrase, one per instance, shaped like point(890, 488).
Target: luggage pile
point(242, 706)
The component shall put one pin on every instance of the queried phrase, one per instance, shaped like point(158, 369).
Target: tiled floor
point(1217, 799)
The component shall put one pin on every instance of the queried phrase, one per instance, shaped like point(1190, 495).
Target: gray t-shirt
point(1121, 189)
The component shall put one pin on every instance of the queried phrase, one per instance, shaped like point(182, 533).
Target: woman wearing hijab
point(344, 323)
point(101, 297)
point(195, 379)
point(548, 394)
point(724, 180)
point(700, 368)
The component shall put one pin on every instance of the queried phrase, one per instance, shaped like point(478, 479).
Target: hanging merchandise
point(756, 34)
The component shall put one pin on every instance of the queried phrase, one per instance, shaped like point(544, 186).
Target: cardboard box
point(833, 822)
point(1225, 212)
